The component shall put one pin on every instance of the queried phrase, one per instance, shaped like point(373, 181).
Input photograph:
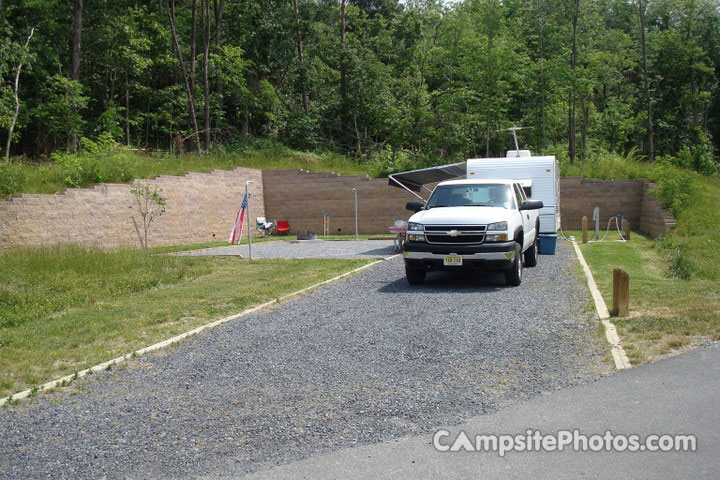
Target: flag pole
point(247, 187)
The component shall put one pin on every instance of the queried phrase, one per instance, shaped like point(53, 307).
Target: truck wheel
point(415, 276)
point(531, 254)
point(513, 277)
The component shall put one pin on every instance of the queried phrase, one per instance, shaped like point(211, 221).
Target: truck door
point(528, 217)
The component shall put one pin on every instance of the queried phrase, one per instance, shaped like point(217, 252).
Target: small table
point(399, 236)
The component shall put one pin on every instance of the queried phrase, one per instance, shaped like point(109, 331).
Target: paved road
point(304, 249)
point(680, 395)
point(358, 362)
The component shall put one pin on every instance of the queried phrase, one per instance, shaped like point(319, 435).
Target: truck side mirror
point(531, 205)
point(414, 206)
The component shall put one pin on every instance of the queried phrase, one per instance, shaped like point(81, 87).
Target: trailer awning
point(415, 179)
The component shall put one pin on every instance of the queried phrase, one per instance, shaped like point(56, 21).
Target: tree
point(186, 75)
point(23, 58)
point(148, 205)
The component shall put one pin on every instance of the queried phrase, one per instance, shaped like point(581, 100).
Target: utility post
point(247, 194)
point(357, 237)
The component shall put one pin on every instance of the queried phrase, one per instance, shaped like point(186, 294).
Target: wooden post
point(584, 229)
point(626, 229)
point(621, 293)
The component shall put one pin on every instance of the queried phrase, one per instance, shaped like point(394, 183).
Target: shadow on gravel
point(454, 282)
point(379, 252)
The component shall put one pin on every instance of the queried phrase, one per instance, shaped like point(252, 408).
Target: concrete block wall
point(201, 207)
point(302, 198)
point(579, 196)
point(654, 220)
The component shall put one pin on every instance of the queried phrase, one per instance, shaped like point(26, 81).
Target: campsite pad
point(304, 249)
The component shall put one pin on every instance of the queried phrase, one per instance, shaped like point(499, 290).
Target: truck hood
point(461, 215)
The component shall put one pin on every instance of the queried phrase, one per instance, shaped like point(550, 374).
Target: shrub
point(697, 157)
point(675, 187)
point(98, 161)
point(12, 178)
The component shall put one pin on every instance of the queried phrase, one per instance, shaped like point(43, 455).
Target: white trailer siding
point(541, 170)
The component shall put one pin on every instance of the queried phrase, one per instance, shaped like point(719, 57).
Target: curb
point(618, 352)
point(64, 381)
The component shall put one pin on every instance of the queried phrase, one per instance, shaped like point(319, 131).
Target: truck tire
point(415, 276)
point(513, 277)
point(531, 254)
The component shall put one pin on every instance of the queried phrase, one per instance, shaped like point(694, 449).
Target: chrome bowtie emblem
point(453, 233)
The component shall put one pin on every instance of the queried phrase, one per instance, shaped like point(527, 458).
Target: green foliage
point(12, 178)
point(77, 277)
point(675, 187)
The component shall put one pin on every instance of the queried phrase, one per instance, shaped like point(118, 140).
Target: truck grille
point(455, 234)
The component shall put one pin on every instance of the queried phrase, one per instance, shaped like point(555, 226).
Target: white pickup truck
point(477, 223)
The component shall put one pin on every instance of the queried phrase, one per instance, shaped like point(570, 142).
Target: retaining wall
point(302, 198)
point(201, 207)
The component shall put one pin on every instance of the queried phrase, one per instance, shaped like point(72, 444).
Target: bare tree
point(185, 74)
point(148, 204)
point(16, 96)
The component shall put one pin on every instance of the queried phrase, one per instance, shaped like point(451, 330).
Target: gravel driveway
point(304, 249)
point(359, 361)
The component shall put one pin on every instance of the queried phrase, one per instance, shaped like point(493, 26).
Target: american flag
point(237, 230)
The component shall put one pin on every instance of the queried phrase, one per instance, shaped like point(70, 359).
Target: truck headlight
point(411, 237)
point(419, 227)
point(499, 226)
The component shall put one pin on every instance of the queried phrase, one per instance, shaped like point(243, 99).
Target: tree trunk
point(572, 99)
point(206, 65)
point(184, 73)
point(218, 5)
point(127, 112)
point(16, 99)
point(646, 81)
point(76, 40)
point(75, 57)
point(193, 44)
point(343, 66)
point(541, 25)
point(301, 59)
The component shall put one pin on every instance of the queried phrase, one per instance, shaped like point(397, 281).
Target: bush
point(12, 178)
point(675, 187)
point(98, 161)
point(697, 157)
point(388, 161)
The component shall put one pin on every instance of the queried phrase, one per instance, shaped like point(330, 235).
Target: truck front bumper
point(486, 256)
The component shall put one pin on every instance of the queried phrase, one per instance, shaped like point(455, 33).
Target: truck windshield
point(473, 195)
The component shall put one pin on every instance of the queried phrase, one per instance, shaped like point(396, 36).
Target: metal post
point(247, 188)
point(357, 237)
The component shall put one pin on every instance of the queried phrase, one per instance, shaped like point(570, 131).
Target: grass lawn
point(63, 309)
point(666, 312)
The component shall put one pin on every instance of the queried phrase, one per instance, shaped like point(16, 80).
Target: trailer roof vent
point(518, 153)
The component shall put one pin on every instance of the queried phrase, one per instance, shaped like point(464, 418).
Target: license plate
point(452, 261)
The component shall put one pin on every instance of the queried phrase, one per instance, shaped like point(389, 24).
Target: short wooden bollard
point(621, 293)
point(626, 229)
point(584, 229)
